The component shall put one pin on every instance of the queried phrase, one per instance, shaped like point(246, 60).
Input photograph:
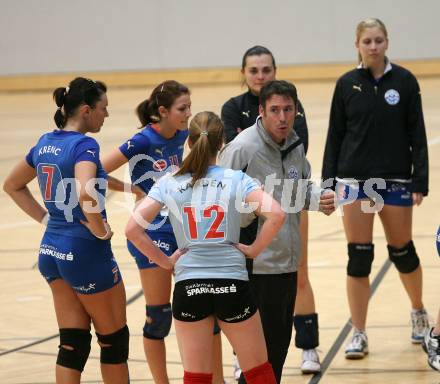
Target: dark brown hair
point(165, 94)
point(278, 87)
point(257, 50)
point(79, 92)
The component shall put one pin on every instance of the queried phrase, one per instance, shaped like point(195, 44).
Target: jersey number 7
point(49, 179)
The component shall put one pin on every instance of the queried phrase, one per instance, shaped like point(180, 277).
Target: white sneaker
point(420, 325)
point(431, 345)
point(237, 369)
point(310, 361)
point(357, 348)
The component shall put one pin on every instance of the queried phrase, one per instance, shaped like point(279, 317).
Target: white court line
point(132, 287)
point(434, 141)
point(431, 142)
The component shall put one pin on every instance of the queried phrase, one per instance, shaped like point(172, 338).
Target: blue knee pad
point(307, 331)
point(77, 339)
point(405, 259)
point(360, 258)
point(114, 347)
point(160, 321)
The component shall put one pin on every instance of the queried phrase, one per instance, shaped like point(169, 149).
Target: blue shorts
point(88, 266)
point(391, 192)
point(164, 240)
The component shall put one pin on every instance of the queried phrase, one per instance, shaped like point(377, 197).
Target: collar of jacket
point(253, 98)
point(291, 138)
point(366, 71)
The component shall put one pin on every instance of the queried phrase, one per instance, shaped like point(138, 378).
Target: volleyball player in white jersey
point(210, 272)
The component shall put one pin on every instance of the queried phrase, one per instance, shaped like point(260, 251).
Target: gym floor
point(28, 329)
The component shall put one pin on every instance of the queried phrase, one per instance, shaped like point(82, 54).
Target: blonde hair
point(369, 22)
point(206, 137)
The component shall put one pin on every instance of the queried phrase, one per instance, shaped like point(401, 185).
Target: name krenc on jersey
point(49, 149)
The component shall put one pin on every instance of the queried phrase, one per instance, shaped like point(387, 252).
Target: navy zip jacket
point(376, 129)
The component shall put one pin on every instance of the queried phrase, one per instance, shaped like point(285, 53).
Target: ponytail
point(143, 112)
point(59, 96)
point(165, 94)
point(79, 92)
point(206, 137)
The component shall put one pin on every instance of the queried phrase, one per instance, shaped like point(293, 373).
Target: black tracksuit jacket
point(377, 129)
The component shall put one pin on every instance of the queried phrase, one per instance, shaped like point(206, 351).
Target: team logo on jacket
point(392, 97)
point(292, 173)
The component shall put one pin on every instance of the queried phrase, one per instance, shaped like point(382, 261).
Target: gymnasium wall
point(59, 36)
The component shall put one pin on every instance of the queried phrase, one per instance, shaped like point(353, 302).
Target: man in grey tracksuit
point(271, 152)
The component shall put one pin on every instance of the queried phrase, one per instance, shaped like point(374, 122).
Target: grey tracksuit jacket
point(278, 168)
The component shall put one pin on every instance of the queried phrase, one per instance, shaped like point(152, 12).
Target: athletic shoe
point(357, 348)
point(431, 345)
point(237, 369)
point(420, 325)
point(310, 361)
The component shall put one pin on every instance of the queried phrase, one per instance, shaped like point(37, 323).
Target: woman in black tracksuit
point(376, 151)
point(239, 113)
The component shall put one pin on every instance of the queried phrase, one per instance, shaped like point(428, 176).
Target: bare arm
point(144, 214)
point(15, 186)
point(112, 161)
point(85, 172)
point(274, 217)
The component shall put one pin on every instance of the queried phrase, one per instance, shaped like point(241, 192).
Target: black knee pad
point(79, 340)
point(217, 329)
point(159, 326)
point(114, 347)
point(405, 259)
point(307, 331)
point(360, 258)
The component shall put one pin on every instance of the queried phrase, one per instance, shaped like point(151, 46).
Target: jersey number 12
point(211, 224)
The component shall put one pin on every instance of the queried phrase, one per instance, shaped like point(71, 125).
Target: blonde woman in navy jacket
point(377, 151)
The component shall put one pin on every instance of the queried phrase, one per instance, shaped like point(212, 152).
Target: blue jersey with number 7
point(54, 158)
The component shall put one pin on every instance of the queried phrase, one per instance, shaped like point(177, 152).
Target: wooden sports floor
point(28, 330)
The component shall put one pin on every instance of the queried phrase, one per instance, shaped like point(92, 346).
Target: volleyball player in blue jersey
point(211, 277)
point(75, 255)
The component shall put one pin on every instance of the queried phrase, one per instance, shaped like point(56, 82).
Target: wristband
point(107, 234)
